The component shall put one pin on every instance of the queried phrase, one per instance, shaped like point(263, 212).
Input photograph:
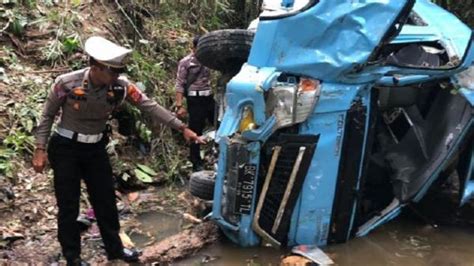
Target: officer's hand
point(181, 113)
point(39, 160)
point(190, 135)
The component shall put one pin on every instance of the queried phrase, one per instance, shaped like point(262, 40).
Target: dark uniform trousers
point(200, 109)
point(72, 161)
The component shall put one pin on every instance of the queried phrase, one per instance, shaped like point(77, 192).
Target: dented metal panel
point(335, 29)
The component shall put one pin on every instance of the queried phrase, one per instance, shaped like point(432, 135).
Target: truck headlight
point(291, 103)
point(247, 122)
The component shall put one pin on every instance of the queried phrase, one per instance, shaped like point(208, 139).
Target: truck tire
point(201, 184)
point(225, 50)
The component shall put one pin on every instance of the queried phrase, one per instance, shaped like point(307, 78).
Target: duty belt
point(200, 93)
point(79, 137)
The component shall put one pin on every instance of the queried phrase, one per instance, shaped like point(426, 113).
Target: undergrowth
point(159, 33)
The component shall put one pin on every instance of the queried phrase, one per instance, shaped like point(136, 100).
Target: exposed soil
point(28, 214)
point(27, 203)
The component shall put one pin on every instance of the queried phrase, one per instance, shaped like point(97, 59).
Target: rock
point(296, 261)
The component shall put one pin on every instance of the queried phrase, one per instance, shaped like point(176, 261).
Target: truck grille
point(294, 157)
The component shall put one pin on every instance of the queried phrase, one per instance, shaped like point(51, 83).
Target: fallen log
point(182, 244)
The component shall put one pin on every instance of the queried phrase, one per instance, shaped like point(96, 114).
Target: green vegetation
point(51, 35)
point(22, 114)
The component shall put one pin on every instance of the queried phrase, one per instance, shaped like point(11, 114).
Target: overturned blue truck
point(343, 113)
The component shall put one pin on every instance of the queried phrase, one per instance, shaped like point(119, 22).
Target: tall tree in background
point(245, 11)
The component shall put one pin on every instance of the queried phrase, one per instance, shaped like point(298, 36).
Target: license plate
point(245, 188)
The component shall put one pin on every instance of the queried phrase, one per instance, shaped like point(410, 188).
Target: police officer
point(76, 150)
point(192, 83)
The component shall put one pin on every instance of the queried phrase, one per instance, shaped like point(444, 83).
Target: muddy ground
point(28, 215)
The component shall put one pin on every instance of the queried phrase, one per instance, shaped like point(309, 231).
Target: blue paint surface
point(325, 41)
point(332, 42)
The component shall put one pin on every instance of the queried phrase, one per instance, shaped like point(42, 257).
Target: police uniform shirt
point(189, 65)
point(85, 109)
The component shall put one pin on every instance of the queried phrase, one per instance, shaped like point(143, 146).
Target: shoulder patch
point(79, 91)
point(134, 93)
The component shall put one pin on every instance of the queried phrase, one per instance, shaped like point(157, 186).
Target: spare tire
point(201, 184)
point(225, 50)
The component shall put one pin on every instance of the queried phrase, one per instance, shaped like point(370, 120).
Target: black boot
point(128, 255)
point(131, 255)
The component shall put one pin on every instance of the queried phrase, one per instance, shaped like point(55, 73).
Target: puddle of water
point(155, 226)
point(405, 242)
point(402, 242)
point(227, 253)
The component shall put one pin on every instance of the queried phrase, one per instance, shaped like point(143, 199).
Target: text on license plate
point(245, 188)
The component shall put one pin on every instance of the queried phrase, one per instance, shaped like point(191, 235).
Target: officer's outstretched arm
point(158, 114)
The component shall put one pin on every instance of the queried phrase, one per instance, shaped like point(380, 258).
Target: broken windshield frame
point(283, 12)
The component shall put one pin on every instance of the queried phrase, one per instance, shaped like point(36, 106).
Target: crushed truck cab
point(344, 113)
